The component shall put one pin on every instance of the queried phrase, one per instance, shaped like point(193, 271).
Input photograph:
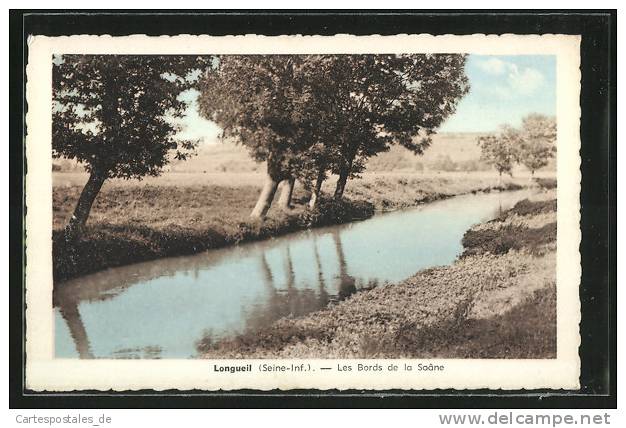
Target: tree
point(379, 100)
point(538, 135)
point(307, 115)
point(324, 149)
point(321, 156)
point(115, 115)
point(501, 150)
point(263, 102)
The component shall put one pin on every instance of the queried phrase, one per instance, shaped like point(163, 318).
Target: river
point(165, 308)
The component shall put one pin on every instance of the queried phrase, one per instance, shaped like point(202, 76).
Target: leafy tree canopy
point(115, 113)
point(374, 101)
point(289, 110)
point(538, 137)
point(502, 149)
point(264, 103)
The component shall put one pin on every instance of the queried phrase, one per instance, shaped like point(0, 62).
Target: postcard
point(303, 212)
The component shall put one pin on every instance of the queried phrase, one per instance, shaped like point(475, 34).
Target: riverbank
point(498, 300)
point(179, 215)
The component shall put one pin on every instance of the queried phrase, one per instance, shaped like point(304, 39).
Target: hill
point(448, 152)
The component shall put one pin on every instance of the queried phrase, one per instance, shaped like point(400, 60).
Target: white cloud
point(518, 84)
point(525, 82)
point(512, 81)
point(493, 66)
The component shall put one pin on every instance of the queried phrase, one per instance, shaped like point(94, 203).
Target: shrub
point(331, 211)
point(526, 207)
point(546, 183)
point(504, 239)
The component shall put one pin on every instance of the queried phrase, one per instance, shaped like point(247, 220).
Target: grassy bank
point(181, 214)
point(161, 223)
point(498, 300)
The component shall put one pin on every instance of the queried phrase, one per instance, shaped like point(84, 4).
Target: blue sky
point(504, 89)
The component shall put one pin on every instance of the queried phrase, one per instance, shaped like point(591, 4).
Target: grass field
point(497, 301)
point(188, 198)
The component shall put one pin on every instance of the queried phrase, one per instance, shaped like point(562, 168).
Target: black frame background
point(598, 195)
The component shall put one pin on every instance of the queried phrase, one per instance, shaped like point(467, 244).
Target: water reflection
point(347, 283)
point(164, 308)
point(69, 312)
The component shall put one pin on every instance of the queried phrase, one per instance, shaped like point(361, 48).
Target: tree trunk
point(500, 179)
point(265, 198)
point(344, 173)
point(315, 195)
point(284, 202)
point(341, 183)
point(85, 201)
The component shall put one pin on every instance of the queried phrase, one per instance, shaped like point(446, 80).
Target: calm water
point(163, 308)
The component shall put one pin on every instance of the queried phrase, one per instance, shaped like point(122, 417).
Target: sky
point(503, 89)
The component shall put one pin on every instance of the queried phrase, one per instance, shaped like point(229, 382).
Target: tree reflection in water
point(69, 312)
point(288, 297)
point(293, 294)
point(347, 283)
point(111, 283)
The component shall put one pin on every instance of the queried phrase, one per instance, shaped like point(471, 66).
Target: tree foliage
point(538, 137)
point(263, 102)
point(387, 99)
point(533, 144)
point(312, 114)
point(375, 101)
point(501, 149)
point(115, 114)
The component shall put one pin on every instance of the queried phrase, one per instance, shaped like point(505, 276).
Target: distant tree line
point(532, 145)
point(305, 116)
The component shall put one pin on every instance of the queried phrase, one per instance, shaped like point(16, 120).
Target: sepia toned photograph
point(274, 212)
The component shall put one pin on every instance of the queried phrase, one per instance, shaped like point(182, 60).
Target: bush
point(526, 207)
point(546, 183)
point(504, 239)
point(331, 211)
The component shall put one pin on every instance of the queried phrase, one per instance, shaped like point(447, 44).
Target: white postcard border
point(44, 373)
